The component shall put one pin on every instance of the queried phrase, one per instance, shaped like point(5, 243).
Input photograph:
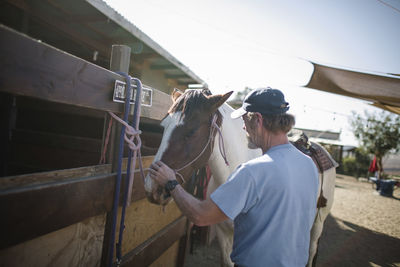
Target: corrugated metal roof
point(131, 28)
point(88, 29)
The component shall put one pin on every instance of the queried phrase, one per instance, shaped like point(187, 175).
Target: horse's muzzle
point(157, 196)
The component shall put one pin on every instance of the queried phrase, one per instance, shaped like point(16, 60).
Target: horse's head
point(186, 143)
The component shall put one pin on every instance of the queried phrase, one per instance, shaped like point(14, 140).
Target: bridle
point(214, 127)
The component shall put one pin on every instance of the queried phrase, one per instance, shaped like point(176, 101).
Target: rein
point(214, 127)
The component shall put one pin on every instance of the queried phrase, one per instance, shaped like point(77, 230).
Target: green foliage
point(239, 97)
point(349, 166)
point(241, 94)
point(358, 164)
point(378, 133)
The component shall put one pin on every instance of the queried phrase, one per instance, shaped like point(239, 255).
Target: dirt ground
point(363, 229)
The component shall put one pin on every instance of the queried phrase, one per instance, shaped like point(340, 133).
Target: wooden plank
point(143, 219)
point(168, 258)
point(80, 245)
point(31, 179)
point(41, 12)
point(37, 210)
point(75, 245)
point(175, 76)
point(154, 247)
point(45, 208)
point(37, 204)
point(31, 68)
point(162, 67)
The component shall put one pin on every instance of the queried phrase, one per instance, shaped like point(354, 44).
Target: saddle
point(321, 158)
point(319, 155)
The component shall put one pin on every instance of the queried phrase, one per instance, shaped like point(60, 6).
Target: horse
point(188, 143)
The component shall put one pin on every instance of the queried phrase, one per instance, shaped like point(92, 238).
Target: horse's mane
point(190, 101)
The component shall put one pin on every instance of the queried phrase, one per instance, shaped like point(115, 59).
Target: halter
point(214, 127)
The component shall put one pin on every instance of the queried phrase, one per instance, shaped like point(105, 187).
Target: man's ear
point(175, 94)
point(259, 119)
point(217, 100)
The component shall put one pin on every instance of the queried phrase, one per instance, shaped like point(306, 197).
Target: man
point(271, 199)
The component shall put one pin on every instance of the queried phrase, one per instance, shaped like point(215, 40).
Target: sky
point(233, 44)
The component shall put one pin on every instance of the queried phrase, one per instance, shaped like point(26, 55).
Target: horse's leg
point(314, 262)
point(211, 188)
point(224, 232)
point(316, 231)
point(322, 213)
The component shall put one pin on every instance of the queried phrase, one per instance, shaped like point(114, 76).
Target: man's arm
point(200, 212)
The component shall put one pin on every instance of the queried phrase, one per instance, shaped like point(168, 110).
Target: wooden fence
point(57, 213)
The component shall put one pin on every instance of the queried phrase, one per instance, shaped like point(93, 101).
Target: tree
point(241, 94)
point(378, 133)
point(356, 165)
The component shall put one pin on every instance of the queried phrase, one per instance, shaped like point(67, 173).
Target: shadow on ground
point(346, 244)
point(342, 244)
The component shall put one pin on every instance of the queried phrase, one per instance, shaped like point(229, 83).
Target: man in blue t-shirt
point(275, 194)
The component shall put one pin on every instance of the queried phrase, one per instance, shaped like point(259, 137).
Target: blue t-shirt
point(272, 200)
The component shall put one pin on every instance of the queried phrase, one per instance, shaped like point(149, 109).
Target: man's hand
point(200, 212)
point(161, 173)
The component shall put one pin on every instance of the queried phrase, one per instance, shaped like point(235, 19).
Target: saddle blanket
point(319, 155)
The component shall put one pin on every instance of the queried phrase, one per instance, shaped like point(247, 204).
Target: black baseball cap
point(266, 101)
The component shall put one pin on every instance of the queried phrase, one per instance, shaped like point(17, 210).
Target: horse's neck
point(236, 148)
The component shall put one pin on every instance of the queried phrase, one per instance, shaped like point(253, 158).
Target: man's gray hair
point(276, 122)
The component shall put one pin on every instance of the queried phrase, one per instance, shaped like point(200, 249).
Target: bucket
point(386, 187)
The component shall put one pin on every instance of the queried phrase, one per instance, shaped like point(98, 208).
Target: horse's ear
point(217, 100)
point(175, 94)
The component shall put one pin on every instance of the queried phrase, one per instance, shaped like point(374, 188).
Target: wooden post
point(184, 244)
point(8, 117)
point(120, 59)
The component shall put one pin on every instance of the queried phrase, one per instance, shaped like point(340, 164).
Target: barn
point(58, 81)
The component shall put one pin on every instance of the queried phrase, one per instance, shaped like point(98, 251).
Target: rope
point(130, 131)
point(129, 134)
point(221, 144)
point(103, 154)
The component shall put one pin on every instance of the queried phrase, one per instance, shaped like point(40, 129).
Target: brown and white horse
point(188, 144)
